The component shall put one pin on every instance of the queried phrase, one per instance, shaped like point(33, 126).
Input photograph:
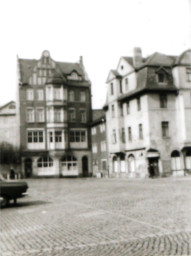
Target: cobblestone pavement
point(99, 217)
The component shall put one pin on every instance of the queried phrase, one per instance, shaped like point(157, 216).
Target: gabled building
point(8, 124)
point(99, 144)
point(9, 142)
point(54, 102)
point(148, 115)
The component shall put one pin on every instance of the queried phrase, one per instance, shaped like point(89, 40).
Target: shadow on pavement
point(25, 204)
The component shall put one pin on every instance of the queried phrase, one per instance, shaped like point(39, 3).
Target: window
point(94, 148)
point(111, 88)
point(122, 67)
point(45, 162)
point(120, 87)
point(71, 95)
point(58, 136)
point(51, 137)
point(57, 114)
point(30, 115)
point(72, 115)
point(77, 136)
point(129, 134)
point(188, 74)
point(40, 95)
point(104, 165)
point(102, 127)
point(82, 96)
point(103, 146)
point(93, 130)
point(35, 136)
point(114, 138)
point(121, 109)
point(126, 84)
point(140, 131)
point(82, 116)
point(163, 101)
point(138, 104)
point(128, 108)
point(69, 163)
point(165, 129)
point(113, 111)
point(40, 115)
point(123, 135)
point(57, 94)
point(30, 94)
point(161, 77)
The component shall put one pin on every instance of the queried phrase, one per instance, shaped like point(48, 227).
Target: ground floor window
point(45, 162)
point(69, 163)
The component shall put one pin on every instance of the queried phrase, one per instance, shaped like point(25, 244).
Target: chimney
point(81, 60)
point(137, 57)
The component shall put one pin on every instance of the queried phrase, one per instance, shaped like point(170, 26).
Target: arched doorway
point(153, 163)
point(122, 162)
point(175, 161)
point(188, 159)
point(28, 168)
point(131, 160)
point(115, 164)
point(85, 172)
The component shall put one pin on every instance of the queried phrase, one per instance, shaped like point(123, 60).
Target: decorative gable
point(124, 66)
point(43, 69)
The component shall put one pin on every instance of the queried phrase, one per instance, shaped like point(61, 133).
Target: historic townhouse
point(54, 106)
point(148, 114)
point(99, 144)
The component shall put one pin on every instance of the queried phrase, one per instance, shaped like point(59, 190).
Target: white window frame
point(30, 115)
point(30, 94)
point(83, 117)
point(94, 131)
point(94, 148)
point(40, 94)
point(78, 135)
point(103, 146)
point(40, 115)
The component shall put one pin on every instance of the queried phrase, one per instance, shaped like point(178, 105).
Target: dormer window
point(161, 78)
point(74, 76)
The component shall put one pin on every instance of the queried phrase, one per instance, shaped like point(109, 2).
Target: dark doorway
point(85, 166)
point(153, 167)
point(28, 168)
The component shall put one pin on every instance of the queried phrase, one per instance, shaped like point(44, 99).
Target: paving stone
point(99, 217)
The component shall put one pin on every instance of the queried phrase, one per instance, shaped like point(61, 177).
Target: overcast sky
point(100, 30)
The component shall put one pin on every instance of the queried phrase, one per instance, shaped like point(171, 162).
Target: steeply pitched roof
point(129, 60)
point(97, 114)
point(7, 104)
point(159, 59)
point(184, 58)
point(64, 68)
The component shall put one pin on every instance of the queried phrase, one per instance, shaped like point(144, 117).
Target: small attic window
point(12, 106)
point(74, 76)
point(161, 77)
point(122, 67)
